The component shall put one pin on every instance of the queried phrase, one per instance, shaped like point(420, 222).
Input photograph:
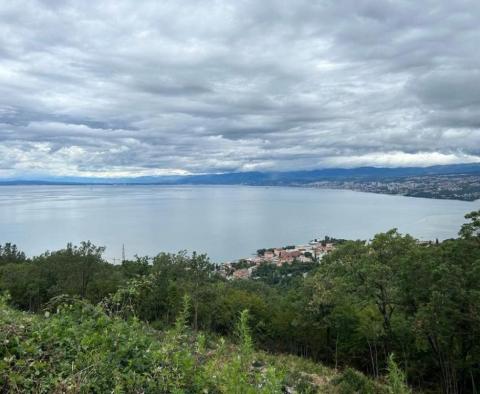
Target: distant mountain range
point(255, 178)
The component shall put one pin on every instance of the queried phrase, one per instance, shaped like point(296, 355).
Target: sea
point(225, 222)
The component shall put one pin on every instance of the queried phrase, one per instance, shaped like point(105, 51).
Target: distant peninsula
point(457, 182)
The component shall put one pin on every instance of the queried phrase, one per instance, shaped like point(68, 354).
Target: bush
point(397, 383)
point(352, 381)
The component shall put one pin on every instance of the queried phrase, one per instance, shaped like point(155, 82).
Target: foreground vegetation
point(101, 327)
point(78, 347)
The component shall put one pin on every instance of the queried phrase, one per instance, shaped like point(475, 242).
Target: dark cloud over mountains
point(119, 88)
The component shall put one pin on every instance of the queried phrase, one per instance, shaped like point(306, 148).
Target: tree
point(9, 253)
point(88, 258)
point(200, 271)
point(471, 229)
point(138, 267)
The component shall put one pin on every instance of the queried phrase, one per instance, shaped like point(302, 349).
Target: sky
point(135, 88)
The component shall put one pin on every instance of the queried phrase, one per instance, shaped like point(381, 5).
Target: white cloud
point(402, 159)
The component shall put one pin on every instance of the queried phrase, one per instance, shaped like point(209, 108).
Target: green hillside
point(78, 347)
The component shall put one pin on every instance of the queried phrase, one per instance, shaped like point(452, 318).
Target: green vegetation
point(242, 264)
point(283, 276)
point(381, 314)
point(76, 347)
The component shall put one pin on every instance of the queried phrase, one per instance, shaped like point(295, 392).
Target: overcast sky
point(127, 88)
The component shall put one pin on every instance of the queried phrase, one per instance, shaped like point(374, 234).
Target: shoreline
point(299, 186)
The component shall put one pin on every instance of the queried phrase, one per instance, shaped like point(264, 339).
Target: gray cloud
point(138, 88)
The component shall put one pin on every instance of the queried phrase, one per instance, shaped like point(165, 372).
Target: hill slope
point(78, 347)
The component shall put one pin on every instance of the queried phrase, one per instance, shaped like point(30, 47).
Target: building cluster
point(458, 186)
point(313, 252)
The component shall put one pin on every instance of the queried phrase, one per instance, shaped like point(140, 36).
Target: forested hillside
point(156, 325)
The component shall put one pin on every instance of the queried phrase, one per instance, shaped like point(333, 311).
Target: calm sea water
point(225, 222)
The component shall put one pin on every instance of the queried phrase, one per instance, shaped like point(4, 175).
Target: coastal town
point(464, 187)
point(311, 253)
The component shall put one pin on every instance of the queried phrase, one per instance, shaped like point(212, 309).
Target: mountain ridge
point(258, 178)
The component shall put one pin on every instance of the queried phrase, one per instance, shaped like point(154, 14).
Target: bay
point(226, 222)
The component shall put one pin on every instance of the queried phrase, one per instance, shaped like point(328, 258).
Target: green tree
point(9, 253)
point(472, 228)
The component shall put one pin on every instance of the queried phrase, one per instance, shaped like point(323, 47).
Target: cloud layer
point(118, 88)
